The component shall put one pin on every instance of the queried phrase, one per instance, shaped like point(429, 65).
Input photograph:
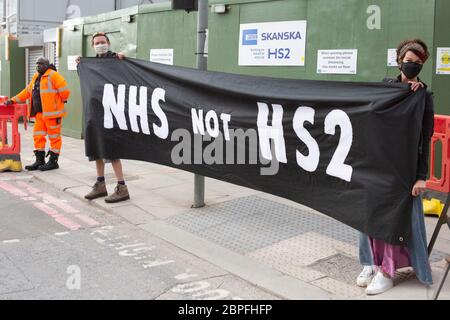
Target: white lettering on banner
point(336, 118)
point(207, 126)
point(226, 118)
point(116, 107)
point(111, 106)
point(163, 130)
point(198, 123)
point(310, 162)
point(337, 167)
point(138, 110)
point(212, 131)
point(274, 132)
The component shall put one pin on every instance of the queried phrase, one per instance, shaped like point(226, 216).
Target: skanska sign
point(272, 44)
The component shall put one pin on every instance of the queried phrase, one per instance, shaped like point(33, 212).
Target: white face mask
point(101, 48)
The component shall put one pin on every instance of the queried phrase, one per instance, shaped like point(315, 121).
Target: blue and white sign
point(272, 44)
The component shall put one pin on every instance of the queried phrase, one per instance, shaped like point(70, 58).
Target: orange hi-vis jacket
point(54, 93)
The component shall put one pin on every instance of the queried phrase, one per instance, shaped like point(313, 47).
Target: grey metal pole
point(202, 25)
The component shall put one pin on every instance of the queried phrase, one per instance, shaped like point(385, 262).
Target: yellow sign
point(443, 61)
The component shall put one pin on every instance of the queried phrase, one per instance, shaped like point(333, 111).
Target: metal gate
point(50, 53)
point(32, 54)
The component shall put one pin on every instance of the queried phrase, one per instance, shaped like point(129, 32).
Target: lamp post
point(202, 25)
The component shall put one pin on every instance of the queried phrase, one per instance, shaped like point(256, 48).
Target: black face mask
point(411, 69)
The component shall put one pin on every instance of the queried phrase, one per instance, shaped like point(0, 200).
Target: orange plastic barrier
point(442, 134)
point(11, 113)
point(2, 100)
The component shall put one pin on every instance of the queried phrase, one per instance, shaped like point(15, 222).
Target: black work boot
point(52, 163)
point(40, 160)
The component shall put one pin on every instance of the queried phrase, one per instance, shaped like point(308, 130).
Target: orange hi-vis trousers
point(44, 127)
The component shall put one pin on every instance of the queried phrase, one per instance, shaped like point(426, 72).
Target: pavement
point(284, 248)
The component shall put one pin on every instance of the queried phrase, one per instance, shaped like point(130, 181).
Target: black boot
point(52, 162)
point(40, 160)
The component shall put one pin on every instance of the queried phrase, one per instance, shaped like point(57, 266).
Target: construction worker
point(48, 93)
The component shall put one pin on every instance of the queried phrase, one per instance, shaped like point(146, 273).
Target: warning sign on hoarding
point(272, 44)
point(337, 61)
point(72, 63)
point(392, 58)
point(164, 56)
point(443, 61)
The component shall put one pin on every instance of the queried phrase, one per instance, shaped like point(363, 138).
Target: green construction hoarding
point(12, 66)
point(360, 34)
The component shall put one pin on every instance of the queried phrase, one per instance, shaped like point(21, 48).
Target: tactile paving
point(250, 223)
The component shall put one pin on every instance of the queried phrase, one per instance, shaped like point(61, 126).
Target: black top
point(36, 97)
point(427, 132)
point(109, 54)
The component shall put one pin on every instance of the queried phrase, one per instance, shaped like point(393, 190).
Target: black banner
point(348, 150)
